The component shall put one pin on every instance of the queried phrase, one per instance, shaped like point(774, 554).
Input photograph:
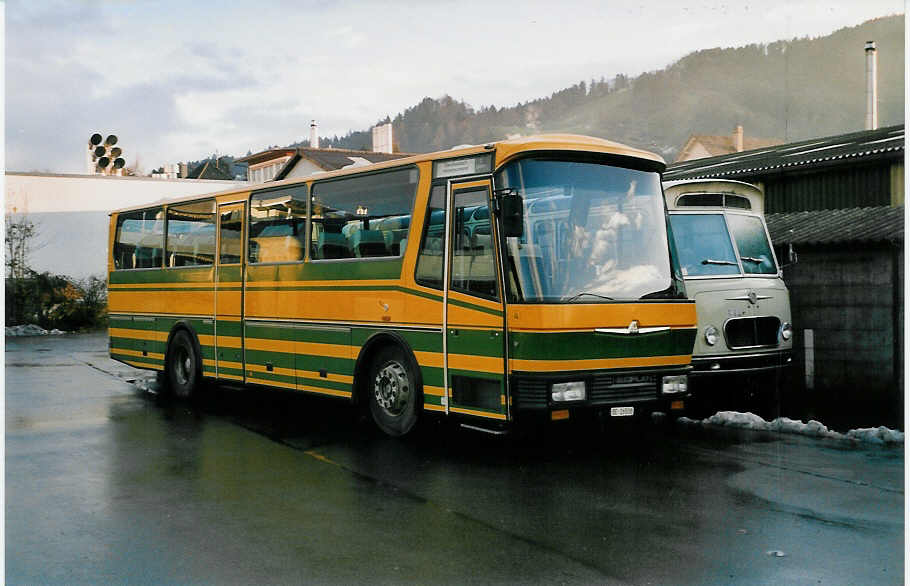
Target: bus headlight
point(573, 391)
point(786, 331)
point(711, 335)
point(674, 385)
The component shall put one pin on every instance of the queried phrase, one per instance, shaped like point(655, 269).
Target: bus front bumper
point(610, 392)
point(740, 364)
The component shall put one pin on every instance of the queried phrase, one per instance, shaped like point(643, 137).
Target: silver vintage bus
point(744, 341)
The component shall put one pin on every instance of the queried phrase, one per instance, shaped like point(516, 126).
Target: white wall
point(71, 213)
point(37, 193)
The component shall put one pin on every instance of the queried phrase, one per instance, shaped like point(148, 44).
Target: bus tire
point(392, 391)
point(182, 366)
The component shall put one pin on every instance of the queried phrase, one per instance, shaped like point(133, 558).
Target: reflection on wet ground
point(107, 481)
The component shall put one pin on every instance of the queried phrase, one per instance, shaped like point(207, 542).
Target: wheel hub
point(391, 388)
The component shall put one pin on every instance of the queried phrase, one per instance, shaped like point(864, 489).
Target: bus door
point(474, 317)
point(229, 291)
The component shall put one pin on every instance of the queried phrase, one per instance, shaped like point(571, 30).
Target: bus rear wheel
point(392, 389)
point(182, 366)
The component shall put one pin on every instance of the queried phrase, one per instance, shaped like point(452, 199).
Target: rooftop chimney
point(738, 138)
point(871, 86)
point(314, 136)
point(382, 138)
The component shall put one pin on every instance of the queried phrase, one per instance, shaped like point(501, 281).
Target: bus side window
point(139, 240)
point(191, 234)
point(430, 258)
point(278, 225)
point(363, 216)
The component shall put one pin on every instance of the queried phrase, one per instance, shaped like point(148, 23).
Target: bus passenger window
point(231, 234)
point(430, 257)
point(362, 216)
point(278, 225)
point(139, 241)
point(191, 234)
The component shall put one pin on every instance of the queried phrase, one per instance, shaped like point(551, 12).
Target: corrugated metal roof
point(874, 224)
point(884, 142)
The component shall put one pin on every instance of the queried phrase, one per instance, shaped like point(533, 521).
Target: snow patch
point(873, 435)
point(32, 330)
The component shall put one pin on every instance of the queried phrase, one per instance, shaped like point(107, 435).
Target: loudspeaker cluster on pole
point(104, 158)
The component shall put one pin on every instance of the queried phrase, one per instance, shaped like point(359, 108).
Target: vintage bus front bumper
point(643, 389)
point(740, 364)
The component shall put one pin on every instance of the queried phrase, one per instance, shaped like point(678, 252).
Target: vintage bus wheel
point(182, 366)
point(392, 392)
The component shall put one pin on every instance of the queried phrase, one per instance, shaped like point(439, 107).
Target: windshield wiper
point(574, 297)
point(752, 259)
point(711, 261)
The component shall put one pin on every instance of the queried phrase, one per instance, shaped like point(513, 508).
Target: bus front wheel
point(392, 389)
point(182, 366)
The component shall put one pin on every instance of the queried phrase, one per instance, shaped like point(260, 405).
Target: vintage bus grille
point(751, 332)
point(603, 389)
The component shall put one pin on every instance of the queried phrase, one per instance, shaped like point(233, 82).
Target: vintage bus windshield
point(705, 247)
point(593, 233)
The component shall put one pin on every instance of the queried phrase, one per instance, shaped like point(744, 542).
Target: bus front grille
point(751, 332)
point(602, 389)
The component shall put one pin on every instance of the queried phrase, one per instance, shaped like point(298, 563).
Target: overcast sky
point(180, 80)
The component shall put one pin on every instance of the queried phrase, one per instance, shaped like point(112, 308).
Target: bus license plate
point(622, 411)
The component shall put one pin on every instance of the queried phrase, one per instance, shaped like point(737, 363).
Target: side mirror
point(512, 210)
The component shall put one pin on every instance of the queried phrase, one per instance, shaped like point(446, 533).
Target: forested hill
point(787, 90)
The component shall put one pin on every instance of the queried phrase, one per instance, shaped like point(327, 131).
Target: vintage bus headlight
point(786, 331)
point(711, 335)
point(573, 391)
point(674, 385)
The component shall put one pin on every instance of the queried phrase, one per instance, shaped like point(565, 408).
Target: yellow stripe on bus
point(477, 413)
point(138, 353)
point(291, 347)
point(230, 376)
point(138, 334)
point(489, 364)
point(144, 365)
point(333, 392)
point(597, 363)
point(271, 383)
point(435, 391)
point(431, 407)
point(275, 370)
point(337, 378)
point(229, 341)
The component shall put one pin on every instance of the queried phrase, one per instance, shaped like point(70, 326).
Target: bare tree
point(21, 233)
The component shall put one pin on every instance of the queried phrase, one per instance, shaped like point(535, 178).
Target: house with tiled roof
point(292, 162)
point(700, 146)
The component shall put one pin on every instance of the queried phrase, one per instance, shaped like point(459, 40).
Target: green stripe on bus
point(178, 275)
point(142, 359)
point(323, 383)
point(591, 345)
point(271, 376)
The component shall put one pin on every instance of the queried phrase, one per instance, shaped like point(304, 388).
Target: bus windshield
point(592, 233)
point(705, 248)
point(703, 245)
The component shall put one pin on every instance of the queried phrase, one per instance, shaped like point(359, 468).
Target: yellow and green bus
point(525, 278)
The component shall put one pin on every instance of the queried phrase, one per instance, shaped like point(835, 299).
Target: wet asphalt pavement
point(106, 482)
